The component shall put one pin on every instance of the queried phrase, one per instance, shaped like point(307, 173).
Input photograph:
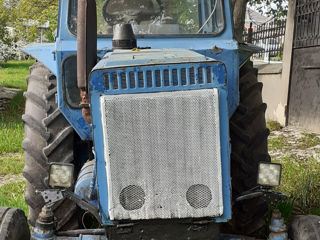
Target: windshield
point(156, 16)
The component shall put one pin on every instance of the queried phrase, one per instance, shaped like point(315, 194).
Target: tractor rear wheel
point(249, 146)
point(305, 228)
point(48, 138)
point(13, 224)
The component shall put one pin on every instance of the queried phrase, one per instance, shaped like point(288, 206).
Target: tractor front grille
point(162, 153)
point(173, 76)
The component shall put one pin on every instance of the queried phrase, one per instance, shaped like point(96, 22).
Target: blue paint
point(74, 116)
point(225, 156)
point(229, 58)
point(83, 184)
point(99, 154)
point(42, 235)
point(44, 53)
point(278, 229)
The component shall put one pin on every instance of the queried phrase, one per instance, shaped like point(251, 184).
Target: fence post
point(250, 32)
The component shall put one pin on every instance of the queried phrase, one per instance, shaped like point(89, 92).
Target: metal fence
point(270, 37)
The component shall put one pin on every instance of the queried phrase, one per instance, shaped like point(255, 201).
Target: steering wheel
point(124, 11)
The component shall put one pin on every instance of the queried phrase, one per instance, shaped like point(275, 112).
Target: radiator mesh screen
point(162, 152)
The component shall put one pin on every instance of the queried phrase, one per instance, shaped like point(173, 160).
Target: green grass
point(301, 183)
point(274, 126)
point(13, 74)
point(278, 143)
point(11, 126)
point(12, 195)
point(309, 140)
point(11, 164)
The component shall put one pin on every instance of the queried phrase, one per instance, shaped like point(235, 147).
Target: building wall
point(272, 92)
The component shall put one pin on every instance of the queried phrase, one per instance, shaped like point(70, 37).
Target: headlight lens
point(269, 174)
point(61, 175)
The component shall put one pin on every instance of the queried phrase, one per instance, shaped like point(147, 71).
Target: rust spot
point(217, 49)
point(85, 105)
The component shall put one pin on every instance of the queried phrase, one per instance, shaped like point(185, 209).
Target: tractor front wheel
point(13, 224)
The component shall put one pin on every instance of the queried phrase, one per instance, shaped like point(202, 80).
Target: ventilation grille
point(162, 153)
point(156, 77)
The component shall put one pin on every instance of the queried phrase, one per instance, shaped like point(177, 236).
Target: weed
point(274, 126)
point(286, 209)
point(11, 163)
point(12, 195)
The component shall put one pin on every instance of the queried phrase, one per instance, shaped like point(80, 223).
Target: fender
point(245, 52)
point(44, 53)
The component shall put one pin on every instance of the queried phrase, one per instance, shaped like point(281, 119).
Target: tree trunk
point(239, 14)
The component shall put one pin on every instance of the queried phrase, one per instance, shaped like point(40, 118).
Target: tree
point(27, 15)
point(276, 9)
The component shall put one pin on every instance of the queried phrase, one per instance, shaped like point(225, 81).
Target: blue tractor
point(144, 120)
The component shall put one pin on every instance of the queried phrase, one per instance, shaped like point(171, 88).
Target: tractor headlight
point(61, 175)
point(269, 174)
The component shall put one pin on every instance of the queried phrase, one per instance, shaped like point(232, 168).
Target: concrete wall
point(272, 93)
point(276, 77)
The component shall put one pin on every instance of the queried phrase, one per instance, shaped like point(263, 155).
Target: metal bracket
point(268, 194)
point(83, 204)
point(51, 196)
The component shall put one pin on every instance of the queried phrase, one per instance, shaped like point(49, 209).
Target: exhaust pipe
point(86, 50)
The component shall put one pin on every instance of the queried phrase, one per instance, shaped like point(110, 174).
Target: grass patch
point(279, 142)
point(11, 164)
point(301, 183)
point(274, 126)
point(309, 140)
point(12, 195)
point(11, 126)
point(13, 74)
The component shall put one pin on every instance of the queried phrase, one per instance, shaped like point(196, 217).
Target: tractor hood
point(149, 57)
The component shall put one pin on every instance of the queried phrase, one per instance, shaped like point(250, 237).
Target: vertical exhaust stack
point(86, 50)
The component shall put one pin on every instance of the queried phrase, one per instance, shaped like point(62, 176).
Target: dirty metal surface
point(304, 98)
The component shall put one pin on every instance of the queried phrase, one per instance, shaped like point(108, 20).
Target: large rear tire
point(249, 146)
point(48, 138)
point(13, 224)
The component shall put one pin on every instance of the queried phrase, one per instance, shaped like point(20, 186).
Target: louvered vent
point(158, 78)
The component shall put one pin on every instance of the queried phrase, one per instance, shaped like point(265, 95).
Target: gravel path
point(299, 143)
